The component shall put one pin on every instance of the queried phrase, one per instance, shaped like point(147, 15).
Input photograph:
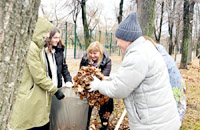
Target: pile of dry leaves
point(82, 85)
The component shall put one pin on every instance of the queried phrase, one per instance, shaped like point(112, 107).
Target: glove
point(106, 78)
point(68, 84)
point(94, 84)
point(112, 76)
point(59, 95)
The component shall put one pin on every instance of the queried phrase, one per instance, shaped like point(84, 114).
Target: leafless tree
point(158, 29)
point(190, 44)
point(17, 22)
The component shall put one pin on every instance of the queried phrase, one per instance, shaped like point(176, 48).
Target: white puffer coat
point(143, 82)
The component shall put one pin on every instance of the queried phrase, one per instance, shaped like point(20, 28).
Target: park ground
point(192, 78)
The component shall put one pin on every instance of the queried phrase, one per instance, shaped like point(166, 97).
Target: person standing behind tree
point(96, 57)
point(142, 81)
point(32, 108)
point(176, 80)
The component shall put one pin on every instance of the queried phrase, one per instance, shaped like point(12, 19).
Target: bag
point(69, 113)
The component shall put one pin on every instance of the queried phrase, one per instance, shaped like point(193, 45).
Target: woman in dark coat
point(54, 48)
point(96, 57)
point(56, 64)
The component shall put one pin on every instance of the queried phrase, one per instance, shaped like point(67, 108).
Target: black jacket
point(105, 65)
point(62, 68)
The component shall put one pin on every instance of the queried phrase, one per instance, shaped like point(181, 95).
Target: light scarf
point(53, 66)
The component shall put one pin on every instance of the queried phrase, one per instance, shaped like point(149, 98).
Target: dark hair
point(48, 39)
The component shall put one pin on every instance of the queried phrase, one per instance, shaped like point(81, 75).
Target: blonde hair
point(95, 47)
point(150, 39)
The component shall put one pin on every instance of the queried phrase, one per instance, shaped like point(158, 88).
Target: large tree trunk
point(119, 18)
point(186, 34)
point(17, 22)
point(190, 44)
point(146, 14)
point(85, 25)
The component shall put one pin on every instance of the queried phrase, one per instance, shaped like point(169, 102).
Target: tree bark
point(157, 38)
point(190, 44)
point(198, 47)
point(85, 25)
point(171, 45)
point(186, 34)
point(17, 22)
point(119, 18)
point(146, 14)
point(171, 16)
point(177, 37)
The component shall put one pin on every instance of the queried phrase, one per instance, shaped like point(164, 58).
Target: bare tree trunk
point(157, 38)
point(190, 44)
point(198, 46)
point(17, 22)
point(186, 34)
point(171, 16)
point(146, 14)
point(85, 25)
point(177, 37)
point(197, 29)
point(171, 45)
point(119, 18)
point(178, 20)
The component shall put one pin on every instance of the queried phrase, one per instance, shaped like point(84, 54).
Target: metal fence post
point(90, 34)
point(66, 40)
point(106, 38)
point(75, 41)
point(110, 42)
point(95, 35)
point(99, 36)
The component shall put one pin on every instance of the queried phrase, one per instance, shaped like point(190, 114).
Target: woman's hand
point(59, 95)
point(68, 84)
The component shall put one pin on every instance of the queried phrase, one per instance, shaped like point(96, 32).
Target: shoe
point(104, 127)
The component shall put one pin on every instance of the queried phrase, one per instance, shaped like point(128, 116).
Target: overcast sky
point(108, 11)
point(107, 5)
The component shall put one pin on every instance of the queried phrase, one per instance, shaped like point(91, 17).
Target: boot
point(104, 127)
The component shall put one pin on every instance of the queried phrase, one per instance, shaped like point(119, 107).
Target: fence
point(75, 43)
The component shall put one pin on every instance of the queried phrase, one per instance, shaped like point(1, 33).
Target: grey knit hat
point(129, 29)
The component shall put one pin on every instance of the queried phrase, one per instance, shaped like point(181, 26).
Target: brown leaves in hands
point(82, 85)
point(106, 115)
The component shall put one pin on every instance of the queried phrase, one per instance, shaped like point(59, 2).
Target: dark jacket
point(62, 68)
point(105, 65)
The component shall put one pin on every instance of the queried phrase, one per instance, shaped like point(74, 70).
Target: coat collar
point(135, 43)
point(57, 48)
point(103, 62)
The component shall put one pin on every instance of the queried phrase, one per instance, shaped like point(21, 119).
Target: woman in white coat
point(142, 81)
